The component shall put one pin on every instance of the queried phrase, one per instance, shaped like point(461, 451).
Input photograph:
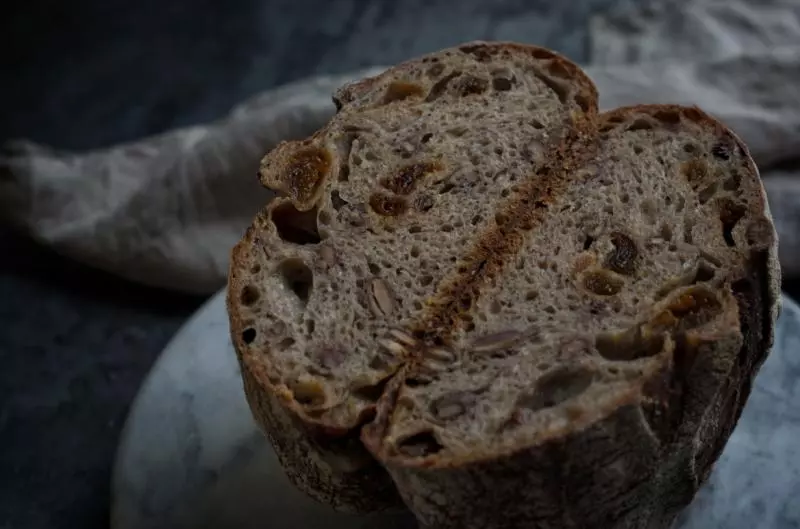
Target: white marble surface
point(192, 458)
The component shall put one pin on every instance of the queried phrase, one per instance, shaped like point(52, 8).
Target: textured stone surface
point(192, 458)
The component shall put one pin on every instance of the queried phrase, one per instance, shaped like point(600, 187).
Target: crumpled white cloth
point(166, 210)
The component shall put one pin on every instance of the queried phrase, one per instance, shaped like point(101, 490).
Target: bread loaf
point(476, 296)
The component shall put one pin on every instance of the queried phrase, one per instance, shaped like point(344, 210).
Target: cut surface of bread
point(479, 296)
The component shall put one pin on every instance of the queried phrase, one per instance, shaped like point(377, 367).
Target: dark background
point(75, 343)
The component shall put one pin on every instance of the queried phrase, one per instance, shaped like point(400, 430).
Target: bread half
point(476, 295)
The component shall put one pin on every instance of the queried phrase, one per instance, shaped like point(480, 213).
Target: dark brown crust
point(562, 477)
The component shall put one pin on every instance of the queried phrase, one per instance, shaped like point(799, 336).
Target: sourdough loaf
point(477, 296)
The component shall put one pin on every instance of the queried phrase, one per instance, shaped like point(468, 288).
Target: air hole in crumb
point(416, 381)
point(310, 326)
point(733, 182)
point(294, 226)
point(435, 70)
point(249, 295)
point(721, 151)
point(531, 295)
point(255, 269)
point(501, 84)
point(705, 272)
point(337, 201)
point(285, 344)
point(249, 335)
point(730, 214)
point(374, 269)
point(420, 445)
point(495, 307)
point(370, 392)
point(691, 148)
point(587, 242)
point(638, 149)
point(641, 124)
point(426, 137)
point(415, 251)
point(446, 188)
point(688, 227)
point(557, 387)
point(426, 280)
point(447, 228)
point(665, 232)
point(297, 276)
point(400, 90)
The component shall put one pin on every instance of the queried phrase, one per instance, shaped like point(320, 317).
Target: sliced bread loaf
point(530, 315)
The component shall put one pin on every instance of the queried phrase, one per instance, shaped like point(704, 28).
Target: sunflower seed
point(381, 299)
point(402, 337)
point(495, 341)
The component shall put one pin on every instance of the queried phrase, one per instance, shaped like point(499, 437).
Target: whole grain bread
point(478, 297)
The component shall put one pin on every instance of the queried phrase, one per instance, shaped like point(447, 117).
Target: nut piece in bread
point(479, 296)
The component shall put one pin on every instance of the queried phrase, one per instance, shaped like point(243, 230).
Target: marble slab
point(191, 457)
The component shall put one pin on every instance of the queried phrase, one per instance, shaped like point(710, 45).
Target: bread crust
point(325, 461)
point(619, 468)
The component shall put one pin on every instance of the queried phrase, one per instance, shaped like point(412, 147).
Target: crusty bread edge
point(308, 452)
point(351, 91)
